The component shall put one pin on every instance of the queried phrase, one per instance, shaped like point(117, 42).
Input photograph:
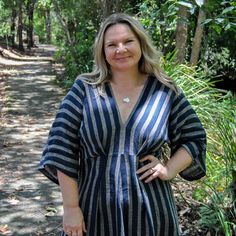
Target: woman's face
point(122, 48)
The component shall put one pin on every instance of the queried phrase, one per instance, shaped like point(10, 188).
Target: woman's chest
point(147, 121)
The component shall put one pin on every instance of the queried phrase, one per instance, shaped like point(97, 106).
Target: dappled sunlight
point(37, 95)
point(29, 201)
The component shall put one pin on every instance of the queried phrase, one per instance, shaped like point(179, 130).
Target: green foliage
point(218, 215)
point(39, 27)
point(84, 41)
point(221, 15)
point(76, 54)
point(219, 60)
point(5, 26)
point(217, 113)
point(219, 55)
point(160, 21)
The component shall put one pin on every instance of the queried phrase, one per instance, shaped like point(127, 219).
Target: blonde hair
point(149, 62)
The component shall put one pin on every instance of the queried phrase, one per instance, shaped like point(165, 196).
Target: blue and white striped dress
point(89, 142)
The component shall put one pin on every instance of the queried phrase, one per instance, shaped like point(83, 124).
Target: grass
point(216, 110)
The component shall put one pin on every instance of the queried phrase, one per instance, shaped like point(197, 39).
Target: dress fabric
point(89, 142)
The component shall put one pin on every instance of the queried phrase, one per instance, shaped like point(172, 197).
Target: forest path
point(29, 203)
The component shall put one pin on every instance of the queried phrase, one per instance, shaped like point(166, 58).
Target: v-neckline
point(126, 122)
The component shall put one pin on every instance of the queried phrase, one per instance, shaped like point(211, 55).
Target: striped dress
point(89, 142)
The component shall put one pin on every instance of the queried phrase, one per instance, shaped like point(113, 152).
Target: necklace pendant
point(126, 100)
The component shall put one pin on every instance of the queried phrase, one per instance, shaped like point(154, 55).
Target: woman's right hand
point(73, 221)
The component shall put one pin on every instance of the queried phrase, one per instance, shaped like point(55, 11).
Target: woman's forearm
point(73, 219)
point(69, 190)
point(179, 161)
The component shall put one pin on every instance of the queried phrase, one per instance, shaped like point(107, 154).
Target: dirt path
point(29, 203)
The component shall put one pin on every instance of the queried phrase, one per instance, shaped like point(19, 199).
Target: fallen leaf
point(51, 209)
point(19, 188)
point(14, 201)
point(49, 214)
point(5, 143)
point(184, 211)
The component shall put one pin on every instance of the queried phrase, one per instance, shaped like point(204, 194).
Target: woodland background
point(196, 39)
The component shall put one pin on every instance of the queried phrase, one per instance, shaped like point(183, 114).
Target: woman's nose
point(121, 48)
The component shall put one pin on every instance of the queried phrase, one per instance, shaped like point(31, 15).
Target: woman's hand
point(154, 169)
point(73, 221)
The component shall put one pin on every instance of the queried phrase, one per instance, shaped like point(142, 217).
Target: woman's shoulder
point(166, 87)
point(78, 88)
point(81, 80)
point(84, 81)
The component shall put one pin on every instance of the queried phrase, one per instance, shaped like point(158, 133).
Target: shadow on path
point(29, 203)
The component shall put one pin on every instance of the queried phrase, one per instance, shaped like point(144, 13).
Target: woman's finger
point(68, 232)
point(75, 233)
point(144, 168)
point(149, 172)
point(84, 228)
point(146, 158)
point(79, 232)
point(151, 177)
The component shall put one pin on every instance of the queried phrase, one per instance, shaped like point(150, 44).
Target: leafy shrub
point(217, 113)
point(82, 59)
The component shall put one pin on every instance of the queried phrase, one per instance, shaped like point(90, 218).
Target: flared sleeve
point(186, 130)
point(62, 151)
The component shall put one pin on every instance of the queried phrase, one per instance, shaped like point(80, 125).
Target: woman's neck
point(127, 78)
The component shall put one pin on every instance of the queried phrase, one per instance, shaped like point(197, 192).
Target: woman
point(104, 147)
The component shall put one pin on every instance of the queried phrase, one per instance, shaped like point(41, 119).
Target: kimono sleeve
point(62, 150)
point(186, 130)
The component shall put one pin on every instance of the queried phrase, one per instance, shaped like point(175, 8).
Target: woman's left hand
point(154, 169)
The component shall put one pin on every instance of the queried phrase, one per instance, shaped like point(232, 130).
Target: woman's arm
point(179, 161)
point(73, 220)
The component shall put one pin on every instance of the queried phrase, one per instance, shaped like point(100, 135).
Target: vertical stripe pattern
point(88, 142)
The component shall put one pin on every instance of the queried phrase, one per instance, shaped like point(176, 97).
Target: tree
point(47, 18)
point(13, 26)
point(196, 46)
point(181, 33)
point(30, 31)
point(8, 14)
point(44, 20)
point(20, 25)
point(162, 26)
point(107, 8)
point(66, 29)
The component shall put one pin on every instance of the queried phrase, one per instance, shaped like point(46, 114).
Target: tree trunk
point(197, 38)
point(107, 8)
point(48, 25)
point(162, 28)
point(181, 33)
point(20, 26)
point(67, 32)
point(162, 36)
point(117, 6)
point(30, 31)
point(13, 26)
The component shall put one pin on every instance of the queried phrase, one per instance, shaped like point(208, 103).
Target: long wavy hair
point(148, 64)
